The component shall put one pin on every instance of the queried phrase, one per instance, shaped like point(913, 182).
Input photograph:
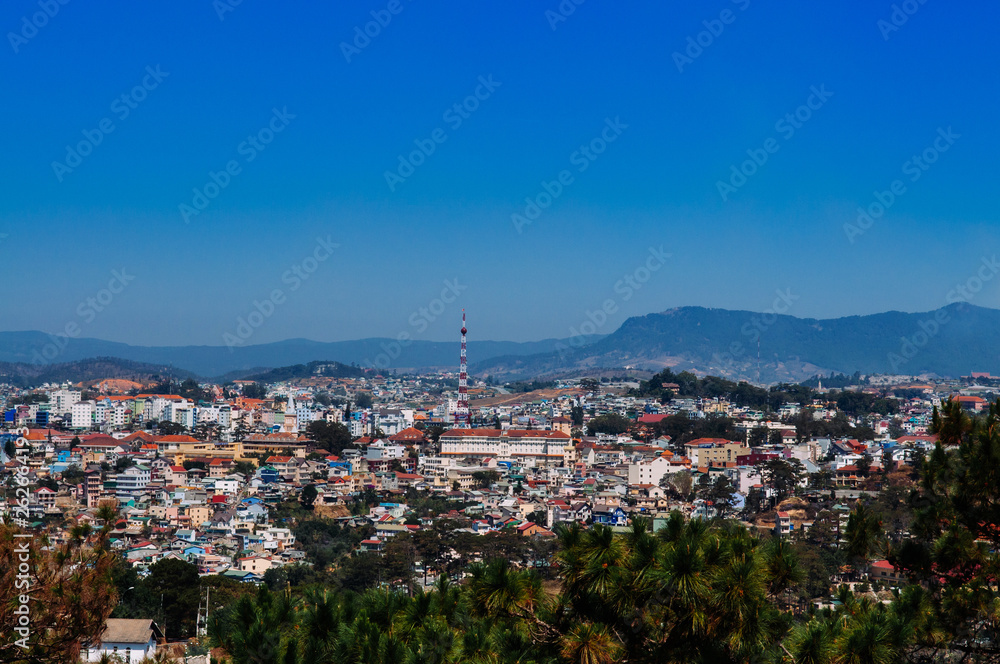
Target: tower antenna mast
point(462, 408)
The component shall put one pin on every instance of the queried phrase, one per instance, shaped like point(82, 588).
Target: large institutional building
point(530, 447)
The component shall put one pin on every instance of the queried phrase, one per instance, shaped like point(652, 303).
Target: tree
point(123, 463)
point(245, 468)
point(576, 416)
point(364, 400)
point(864, 465)
point(176, 582)
point(331, 436)
point(73, 475)
point(782, 476)
point(434, 432)
point(69, 589)
point(758, 436)
point(612, 423)
point(679, 483)
point(722, 493)
point(485, 478)
point(309, 495)
point(863, 534)
point(254, 391)
point(590, 644)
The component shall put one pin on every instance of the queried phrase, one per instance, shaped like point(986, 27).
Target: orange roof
point(510, 433)
point(409, 434)
point(177, 439)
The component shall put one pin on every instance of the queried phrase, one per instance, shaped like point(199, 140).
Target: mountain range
point(951, 341)
point(39, 348)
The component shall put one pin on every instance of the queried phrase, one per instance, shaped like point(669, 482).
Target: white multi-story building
point(649, 472)
point(120, 415)
point(63, 400)
point(82, 415)
point(533, 447)
point(186, 417)
point(132, 481)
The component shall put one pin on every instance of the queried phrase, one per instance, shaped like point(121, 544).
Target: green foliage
point(483, 479)
point(73, 474)
point(529, 386)
point(310, 370)
point(682, 429)
point(838, 381)
point(177, 583)
point(782, 475)
point(254, 391)
point(309, 495)
point(612, 423)
point(711, 387)
point(324, 541)
point(364, 400)
point(330, 436)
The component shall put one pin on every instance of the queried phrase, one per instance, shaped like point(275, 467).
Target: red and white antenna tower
point(462, 408)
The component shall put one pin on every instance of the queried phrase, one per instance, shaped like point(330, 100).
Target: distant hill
point(230, 363)
point(952, 341)
point(316, 369)
point(83, 371)
point(724, 343)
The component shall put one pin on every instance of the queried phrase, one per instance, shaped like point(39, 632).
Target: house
point(608, 515)
point(371, 545)
point(713, 451)
point(783, 524)
point(256, 564)
point(131, 640)
point(529, 529)
point(883, 570)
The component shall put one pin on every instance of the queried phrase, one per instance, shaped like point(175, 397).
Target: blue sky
point(553, 90)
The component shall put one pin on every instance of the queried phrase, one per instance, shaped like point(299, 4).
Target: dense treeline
point(743, 394)
point(710, 387)
point(693, 592)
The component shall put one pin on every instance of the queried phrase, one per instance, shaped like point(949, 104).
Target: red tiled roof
point(177, 439)
point(510, 433)
point(407, 435)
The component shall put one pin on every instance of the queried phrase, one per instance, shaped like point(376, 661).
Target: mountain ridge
point(951, 341)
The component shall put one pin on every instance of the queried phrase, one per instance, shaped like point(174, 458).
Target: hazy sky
point(162, 94)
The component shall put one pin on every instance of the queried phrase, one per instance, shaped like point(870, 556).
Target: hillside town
point(224, 477)
point(194, 478)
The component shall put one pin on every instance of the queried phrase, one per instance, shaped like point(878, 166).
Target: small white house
point(131, 640)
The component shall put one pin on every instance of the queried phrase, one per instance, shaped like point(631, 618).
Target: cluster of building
point(526, 464)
